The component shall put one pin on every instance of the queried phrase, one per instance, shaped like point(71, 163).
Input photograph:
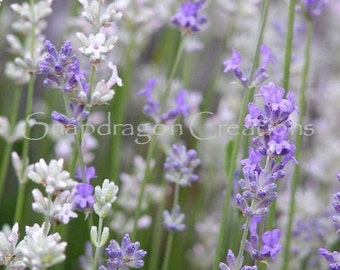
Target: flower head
point(174, 221)
point(40, 250)
point(125, 255)
point(333, 258)
point(180, 164)
point(314, 8)
point(52, 176)
point(105, 195)
point(188, 17)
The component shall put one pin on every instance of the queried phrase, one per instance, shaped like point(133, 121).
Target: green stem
point(156, 239)
point(298, 143)
point(242, 245)
point(153, 140)
point(146, 177)
point(230, 176)
point(8, 146)
point(97, 251)
point(171, 235)
point(24, 156)
point(289, 45)
point(118, 106)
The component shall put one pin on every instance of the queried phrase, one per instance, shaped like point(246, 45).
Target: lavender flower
point(260, 74)
point(180, 164)
point(188, 17)
point(174, 221)
point(79, 115)
point(271, 145)
point(39, 249)
point(153, 106)
point(333, 258)
point(61, 68)
point(124, 256)
point(314, 8)
point(336, 205)
point(83, 196)
point(270, 246)
point(231, 263)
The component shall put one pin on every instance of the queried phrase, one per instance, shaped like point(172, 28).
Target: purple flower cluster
point(153, 107)
point(83, 195)
point(124, 256)
point(271, 147)
point(333, 258)
point(231, 263)
point(336, 205)
point(180, 165)
point(174, 221)
point(188, 17)
point(269, 248)
point(259, 76)
point(314, 8)
point(61, 70)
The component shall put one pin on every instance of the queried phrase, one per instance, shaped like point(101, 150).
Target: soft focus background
point(231, 24)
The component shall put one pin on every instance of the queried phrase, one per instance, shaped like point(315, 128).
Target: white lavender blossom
point(174, 221)
point(96, 46)
point(18, 168)
point(103, 92)
point(90, 14)
point(51, 176)
point(18, 131)
point(30, 24)
point(8, 241)
point(40, 250)
point(105, 196)
point(59, 210)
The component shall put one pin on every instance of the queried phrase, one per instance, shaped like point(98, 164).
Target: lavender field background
point(169, 134)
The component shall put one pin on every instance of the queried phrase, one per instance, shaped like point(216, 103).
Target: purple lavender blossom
point(188, 17)
point(180, 164)
point(314, 8)
point(124, 256)
point(153, 106)
point(174, 221)
point(231, 263)
point(83, 195)
point(62, 68)
point(260, 74)
point(79, 115)
point(271, 152)
point(333, 258)
point(269, 248)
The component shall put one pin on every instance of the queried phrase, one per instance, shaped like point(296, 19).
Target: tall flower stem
point(242, 244)
point(7, 151)
point(289, 45)
point(22, 183)
point(153, 140)
point(171, 235)
point(298, 143)
point(118, 105)
point(97, 251)
point(237, 141)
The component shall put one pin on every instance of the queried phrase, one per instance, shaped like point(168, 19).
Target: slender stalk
point(289, 45)
point(171, 235)
point(233, 160)
point(153, 140)
point(146, 177)
point(298, 143)
point(156, 237)
point(242, 245)
point(118, 106)
point(24, 156)
point(97, 251)
point(8, 147)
